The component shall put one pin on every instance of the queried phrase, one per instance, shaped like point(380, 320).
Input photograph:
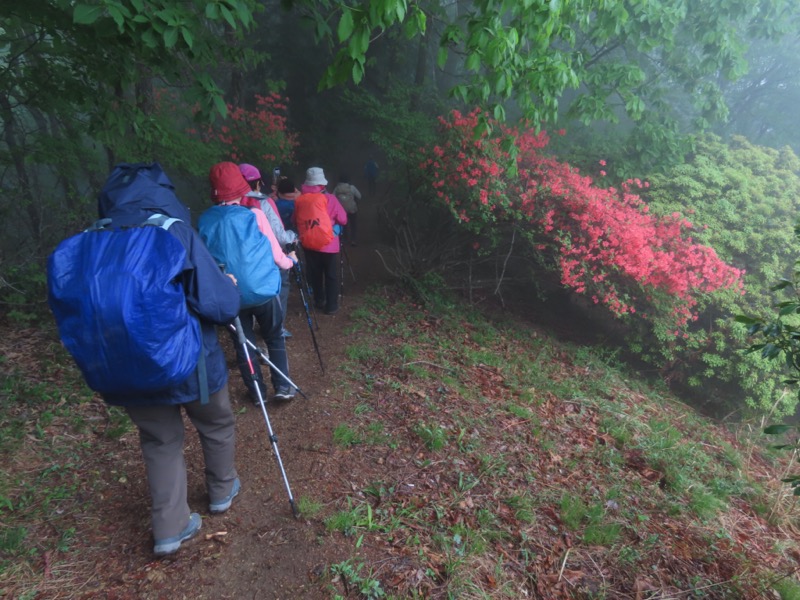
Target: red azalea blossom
point(606, 241)
point(260, 136)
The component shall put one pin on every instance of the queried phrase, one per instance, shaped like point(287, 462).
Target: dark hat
point(286, 186)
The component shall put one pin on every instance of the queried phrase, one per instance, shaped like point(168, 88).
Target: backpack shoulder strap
point(165, 223)
point(160, 220)
point(98, 225)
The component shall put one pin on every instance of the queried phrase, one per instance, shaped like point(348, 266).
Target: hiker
point(317, 213)
point(371, 174)
point(286, 193)
point(133, 195)
point(286, 238)
point(241, 240)
point(349, 196)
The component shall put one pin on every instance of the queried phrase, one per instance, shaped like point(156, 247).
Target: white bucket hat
point(315, 176)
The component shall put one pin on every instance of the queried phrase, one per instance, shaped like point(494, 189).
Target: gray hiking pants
point(161, 431)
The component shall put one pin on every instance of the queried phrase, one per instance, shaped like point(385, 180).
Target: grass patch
point(507, 441)
point(344, 435)
point(432, 435)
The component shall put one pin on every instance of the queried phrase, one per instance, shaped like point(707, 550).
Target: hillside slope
point(442, 454)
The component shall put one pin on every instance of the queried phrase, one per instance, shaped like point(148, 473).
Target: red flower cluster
point(259, 136)
point(605, 241)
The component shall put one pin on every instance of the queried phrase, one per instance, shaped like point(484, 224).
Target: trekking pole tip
point(295, 510)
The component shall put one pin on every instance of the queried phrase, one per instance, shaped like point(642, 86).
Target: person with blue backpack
point(137, 299)
point(286, 237)
point(242, 242)
point(285, 195)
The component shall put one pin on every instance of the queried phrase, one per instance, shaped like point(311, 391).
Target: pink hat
point(227, 182)
point(249, 172)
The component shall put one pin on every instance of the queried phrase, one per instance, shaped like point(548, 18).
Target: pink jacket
point(283, 261)
point(335, 211)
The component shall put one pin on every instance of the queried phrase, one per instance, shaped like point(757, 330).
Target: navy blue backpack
point(118, 297)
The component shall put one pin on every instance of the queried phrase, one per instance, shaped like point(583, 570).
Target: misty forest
point(567, 366)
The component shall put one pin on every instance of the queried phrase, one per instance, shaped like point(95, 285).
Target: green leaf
point(473, 61)
point(358, 71)
point(747, 320)
point(212, 11)
point(171, 37)
point(85, 14)
point(779, 286)
point(219, 104)
point(118, 16)
point(441, 57)
point(789, 308)
point(777, 429)
point(345, 29)
point(187, 36)
point(149, 39)
point(228, 16)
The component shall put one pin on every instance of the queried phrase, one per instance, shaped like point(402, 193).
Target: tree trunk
point(16, 150)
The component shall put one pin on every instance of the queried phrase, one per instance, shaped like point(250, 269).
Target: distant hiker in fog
point(371, 174)
point(318, 214)
point(348, 196)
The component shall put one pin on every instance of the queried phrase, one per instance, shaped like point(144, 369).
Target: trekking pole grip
point(237, 323)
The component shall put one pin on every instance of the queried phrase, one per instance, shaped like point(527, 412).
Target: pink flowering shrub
point(260, 135)
point(604, 241)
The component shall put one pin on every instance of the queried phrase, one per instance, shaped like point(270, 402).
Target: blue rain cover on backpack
point(232, 236)
point(121, 311)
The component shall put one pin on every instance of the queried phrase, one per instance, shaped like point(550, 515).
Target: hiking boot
point(284, 393)
point(332, 311)
point(171, 545)
point(216, 508)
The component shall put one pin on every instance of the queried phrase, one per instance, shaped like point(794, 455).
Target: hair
point(285, 186)
point(344, 178)
point(254, 184)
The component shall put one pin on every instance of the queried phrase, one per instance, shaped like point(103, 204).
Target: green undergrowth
point(519, 465)
point(49, 424)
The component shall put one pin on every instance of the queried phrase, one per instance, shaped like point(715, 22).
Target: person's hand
point(233, 279)
point(293, 256)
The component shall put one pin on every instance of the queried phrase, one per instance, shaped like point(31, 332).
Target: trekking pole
point(305, 284)
point(237, 327)
point(349, 265)
point(341, 274)
point(299, 280)
point(265, 358)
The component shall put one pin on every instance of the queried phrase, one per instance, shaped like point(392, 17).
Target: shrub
point(604, 242)
point(747, 198)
